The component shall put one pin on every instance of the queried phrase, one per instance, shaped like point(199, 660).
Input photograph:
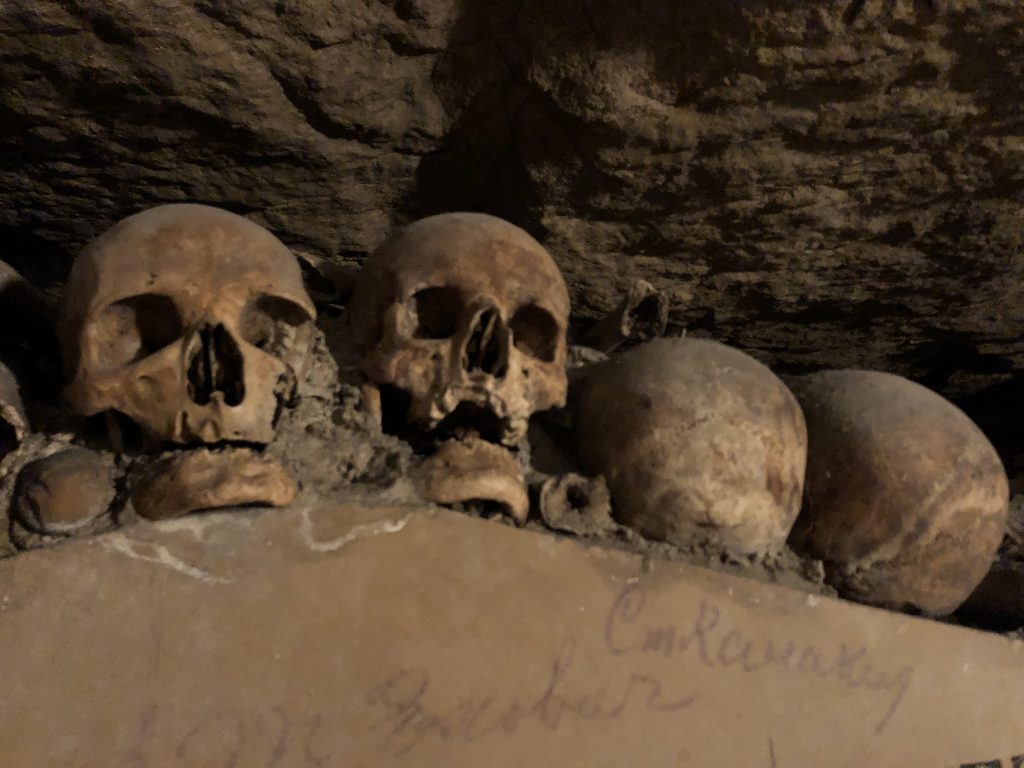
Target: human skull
point(466, 314)
point(906, 499)
point(189, 320)
point(700, 444)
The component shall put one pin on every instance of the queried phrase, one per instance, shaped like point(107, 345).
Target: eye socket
point(438, 311)
point(134, 328)
point(535, 332)
point(275, 325)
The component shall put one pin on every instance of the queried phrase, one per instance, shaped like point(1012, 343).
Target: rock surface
point(824, 184)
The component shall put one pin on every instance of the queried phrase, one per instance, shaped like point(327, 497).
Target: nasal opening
point(217, 365)
point(486, 349)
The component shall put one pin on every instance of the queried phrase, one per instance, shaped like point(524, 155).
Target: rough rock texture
point(837, 183)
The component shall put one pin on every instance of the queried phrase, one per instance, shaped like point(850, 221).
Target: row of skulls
point(194, 325)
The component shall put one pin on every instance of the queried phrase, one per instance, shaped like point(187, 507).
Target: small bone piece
point(642, 316)
point(906, 499)
point(576, 504)
point(13, 422)
point(63, 492)
point(202, 479)
point(473, 473)
point(700, 444)
point(463, 317)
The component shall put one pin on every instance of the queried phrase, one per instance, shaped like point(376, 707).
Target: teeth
point(209, 432)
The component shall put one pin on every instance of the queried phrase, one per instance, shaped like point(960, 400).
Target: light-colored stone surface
point(401, 637)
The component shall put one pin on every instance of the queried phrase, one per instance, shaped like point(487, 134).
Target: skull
point(700, 444)
point(907, 500)
point(189, 320)
point(465, 314)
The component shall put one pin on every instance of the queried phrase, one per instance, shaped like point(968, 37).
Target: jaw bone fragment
point(203, 479)
point(472, 473)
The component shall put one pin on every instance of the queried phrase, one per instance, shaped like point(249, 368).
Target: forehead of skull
point(192, 253)
point(477, 253)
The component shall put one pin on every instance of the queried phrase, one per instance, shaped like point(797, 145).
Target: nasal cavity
point(216, 365)
point(486, 349)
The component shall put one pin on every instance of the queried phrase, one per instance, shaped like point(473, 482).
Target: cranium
point(700, 444)
point(467, 315)
point(191, 321)
point(906, 498)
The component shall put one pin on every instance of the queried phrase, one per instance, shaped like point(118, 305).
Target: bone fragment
point(576, 504)
point(63, 492)
point(642, 315)
point(204, 479)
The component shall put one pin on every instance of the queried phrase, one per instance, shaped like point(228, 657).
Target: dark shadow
point(509, 130)
point(28, 340)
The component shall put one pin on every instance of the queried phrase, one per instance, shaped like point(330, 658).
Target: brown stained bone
point(906, 499)
point(189, 320)
point(576, 504)
point(64, 492)
point(700, 444)
point(466, 315)
point(371, 401)
point(474, 474)
point(202, 479)
point(642, 316)
point(13, 421)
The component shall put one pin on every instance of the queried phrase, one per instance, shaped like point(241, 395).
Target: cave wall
point(834, 183)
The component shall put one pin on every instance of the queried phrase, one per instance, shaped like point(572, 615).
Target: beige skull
point(467, 315)
point(191, 321)
point(700, 444)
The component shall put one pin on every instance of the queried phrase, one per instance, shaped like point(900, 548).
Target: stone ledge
point(403, 636)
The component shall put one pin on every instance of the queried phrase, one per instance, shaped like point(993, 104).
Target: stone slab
point(406, 637)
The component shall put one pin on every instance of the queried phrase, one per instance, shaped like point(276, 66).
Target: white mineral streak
point(159, 555)
point(365, 530)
